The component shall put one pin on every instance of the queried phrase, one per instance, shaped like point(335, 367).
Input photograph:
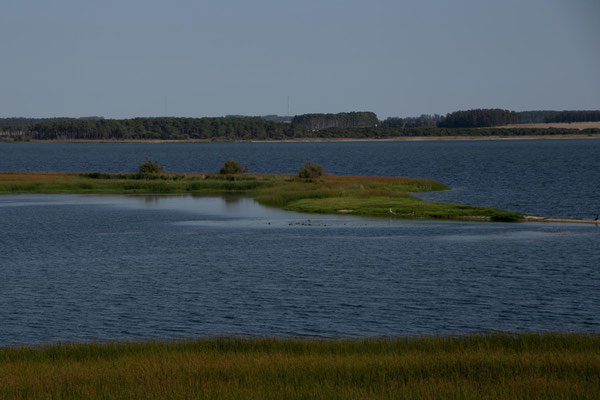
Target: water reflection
point(151, 200)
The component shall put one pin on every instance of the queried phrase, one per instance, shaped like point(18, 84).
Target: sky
point(145, 58)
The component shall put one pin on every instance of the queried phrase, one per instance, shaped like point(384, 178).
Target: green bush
point(233, 167)
point(150, 167)
point(310, 170)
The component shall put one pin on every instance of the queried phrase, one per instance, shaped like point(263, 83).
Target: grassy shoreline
point(330, 194)
point(499, 366)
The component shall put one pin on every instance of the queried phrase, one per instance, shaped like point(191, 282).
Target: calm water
point(116, 267)
point(76, 268)
point(546, 177)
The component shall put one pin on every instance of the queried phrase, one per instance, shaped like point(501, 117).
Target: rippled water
point(80, 268)
point(117, 267)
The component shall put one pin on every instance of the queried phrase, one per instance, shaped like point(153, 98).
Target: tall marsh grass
point(527, 366)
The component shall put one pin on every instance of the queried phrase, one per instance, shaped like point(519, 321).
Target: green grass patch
point(526, 366)
point(356, 195)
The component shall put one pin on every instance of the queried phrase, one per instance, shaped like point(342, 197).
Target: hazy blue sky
point(122, 58)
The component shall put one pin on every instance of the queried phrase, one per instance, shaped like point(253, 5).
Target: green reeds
point(525, 366)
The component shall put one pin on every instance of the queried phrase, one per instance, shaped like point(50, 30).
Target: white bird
point(391, 212)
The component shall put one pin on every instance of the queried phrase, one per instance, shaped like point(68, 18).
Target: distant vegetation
point(574, 116)
point(233, 128)
point(425, 120)
point(150, 167)
point(310, 170)
point(533, 117)
point(484, 118)
point(479, 118)
point(480, 122)
point(233, 167)
point(383, 133)
point(340, 120)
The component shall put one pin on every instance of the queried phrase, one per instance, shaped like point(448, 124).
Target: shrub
point(310, 170)
point(233, 167)
point(150, 167)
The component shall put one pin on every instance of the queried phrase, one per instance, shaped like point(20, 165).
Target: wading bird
point(391, 212)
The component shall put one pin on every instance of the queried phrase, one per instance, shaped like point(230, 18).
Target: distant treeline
point(575, 116)
point(534, 117)
point(479, 118)
point(424, 120)
point(340, 120)
point(344, 125)
point(245, 129)
point(381, 133)
point(236, 128)
point(482, 118)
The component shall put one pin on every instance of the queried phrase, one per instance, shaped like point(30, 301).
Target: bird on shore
point(391, 212)
point(597, 215)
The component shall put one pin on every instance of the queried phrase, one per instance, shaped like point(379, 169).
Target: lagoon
point(80, 268)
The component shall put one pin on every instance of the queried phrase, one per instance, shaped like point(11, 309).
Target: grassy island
point(526, 366)
point(330, 194)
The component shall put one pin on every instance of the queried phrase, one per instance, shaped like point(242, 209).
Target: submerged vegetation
point(331, 194)
point(526, 366)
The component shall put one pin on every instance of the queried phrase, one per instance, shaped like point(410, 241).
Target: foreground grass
point(527, 366)
point(356, 195)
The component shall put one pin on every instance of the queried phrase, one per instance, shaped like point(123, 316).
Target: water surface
point(78, 268)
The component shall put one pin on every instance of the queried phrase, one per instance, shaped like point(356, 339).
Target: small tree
point(150, 167)
point(233, 167)
point(310, 170)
